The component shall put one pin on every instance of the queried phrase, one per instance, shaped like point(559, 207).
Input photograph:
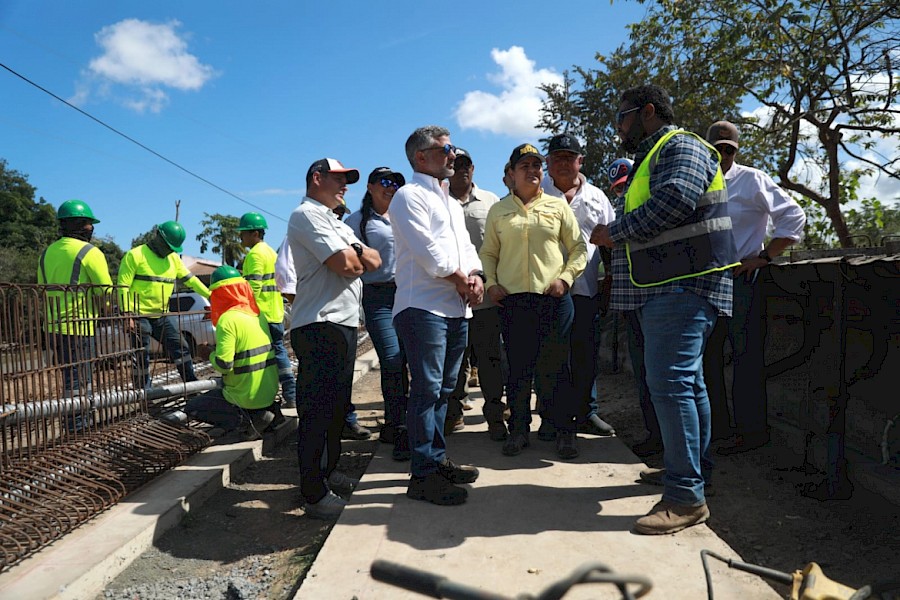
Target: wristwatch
point(358, 248)
point(481, 275)
point(765, 256)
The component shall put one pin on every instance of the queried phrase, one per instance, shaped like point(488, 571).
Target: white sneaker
point(342, 483)
point(329, 507)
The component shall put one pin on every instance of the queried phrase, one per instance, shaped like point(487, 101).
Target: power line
point(137, 143)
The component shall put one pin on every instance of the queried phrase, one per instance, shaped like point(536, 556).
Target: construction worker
point(147, 277)
point(243, 354)
point(68, 262)
point(259, 271)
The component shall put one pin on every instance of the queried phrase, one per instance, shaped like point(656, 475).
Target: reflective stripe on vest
point(701, 244)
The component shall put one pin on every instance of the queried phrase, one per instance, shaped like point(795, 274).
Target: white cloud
point(515, 111)
point(142, 61)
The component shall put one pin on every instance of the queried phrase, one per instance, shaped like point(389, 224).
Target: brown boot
point(665, 518)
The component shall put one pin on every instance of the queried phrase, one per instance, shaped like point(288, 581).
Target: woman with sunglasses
point(372, 225)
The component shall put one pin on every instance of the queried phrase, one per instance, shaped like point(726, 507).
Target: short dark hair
point(643, 95)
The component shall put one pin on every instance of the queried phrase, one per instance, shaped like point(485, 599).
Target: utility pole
point(177, 207)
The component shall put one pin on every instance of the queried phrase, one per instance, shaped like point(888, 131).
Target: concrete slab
point(530, 520)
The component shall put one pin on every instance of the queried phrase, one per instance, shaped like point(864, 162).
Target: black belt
point(386, 284)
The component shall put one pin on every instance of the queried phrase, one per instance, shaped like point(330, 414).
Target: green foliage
point(111, 251)
point(26, 224)
point(143, 238)
point(19, 265)
point(821, 72)
point(220, 235)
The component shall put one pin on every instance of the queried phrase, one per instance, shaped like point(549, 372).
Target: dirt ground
point(256, 525)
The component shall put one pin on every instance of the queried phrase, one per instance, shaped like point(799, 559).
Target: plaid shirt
point(683, 173)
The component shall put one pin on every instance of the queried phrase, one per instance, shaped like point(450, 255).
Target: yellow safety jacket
point(66, 263)
point(701, 244)
point(259, 271)
point(148, 280)
point(244, 353)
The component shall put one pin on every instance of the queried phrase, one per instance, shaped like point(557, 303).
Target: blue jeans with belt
point(434, 347)
point(378, 304)
point(536, 330)
point(676, 326)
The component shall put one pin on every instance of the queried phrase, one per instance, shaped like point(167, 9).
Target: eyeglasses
point(726, 149)
point(386, 183)
point(447, 148)
point(620, 116)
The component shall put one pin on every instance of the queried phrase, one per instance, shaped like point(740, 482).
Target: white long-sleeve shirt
point(431, 242)
point(754, 198)
point(591, 208)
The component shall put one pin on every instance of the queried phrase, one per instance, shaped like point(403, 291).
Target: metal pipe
point(30, 411)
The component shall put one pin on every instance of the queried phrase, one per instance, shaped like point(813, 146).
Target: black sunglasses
point(620, 116)
point(726, 149)
point(447, 148)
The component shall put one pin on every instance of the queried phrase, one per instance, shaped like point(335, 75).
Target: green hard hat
point(252, 221)
point(75, 209)
point(173, 234)
point(222, 273)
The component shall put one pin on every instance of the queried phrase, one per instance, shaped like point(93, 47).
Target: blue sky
point(247, 95)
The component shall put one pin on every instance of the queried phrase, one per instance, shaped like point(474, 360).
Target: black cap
point(564, 142)
point(521, 151)
point(380, 173)
point(462, 152)
point(723, 132)
point(330, 165)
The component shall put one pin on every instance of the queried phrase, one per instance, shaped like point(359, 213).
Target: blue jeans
point(536, 331)
point(434, 347)
point(165, 330)
point(378, 303)
point(285, 369)
point(636, 353)
point(326, 356)
point(745, 330)
point(583, 354)
point(676, 326)
point(73, 353)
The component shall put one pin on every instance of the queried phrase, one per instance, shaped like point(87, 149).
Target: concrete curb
point(83, 562)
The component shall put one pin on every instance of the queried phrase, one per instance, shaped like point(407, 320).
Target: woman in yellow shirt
point(532, 252)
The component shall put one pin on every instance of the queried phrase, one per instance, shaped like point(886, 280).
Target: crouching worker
point(244, 355)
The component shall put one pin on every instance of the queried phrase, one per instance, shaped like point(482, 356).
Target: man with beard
point(439, 279)
point(677, 236)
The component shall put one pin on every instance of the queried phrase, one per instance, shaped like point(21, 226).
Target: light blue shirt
point(380, 237)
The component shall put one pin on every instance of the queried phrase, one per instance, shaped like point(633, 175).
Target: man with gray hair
point(439, 279)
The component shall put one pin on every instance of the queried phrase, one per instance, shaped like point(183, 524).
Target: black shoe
point(437, 489)
point(497, 431)
point(594, 425)
point(258, 423)
point(401, 450)
point(388, 434)
point(454, 424)
point(277, 422)
point(457, 473)
point(566, 446)
point(355, 432)
point(546, 432)
point(648, 447)
point(515, 443)
point(288, 402)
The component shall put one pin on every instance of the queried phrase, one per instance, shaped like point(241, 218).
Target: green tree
point(220, 235)
point(822, 72)
point(143, 238)
point(26, 223)
point(111, 251)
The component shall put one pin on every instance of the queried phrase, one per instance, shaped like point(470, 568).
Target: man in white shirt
point(484, 328)
point(438, 279)
point(328, 260)
point(591, 207)
point(753, 200)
